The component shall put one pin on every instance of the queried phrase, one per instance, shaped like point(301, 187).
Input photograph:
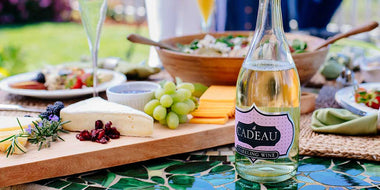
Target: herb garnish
point(226, 40)
point(194, 44)
point(46, 131)
point(42, 133)
point(14, 139)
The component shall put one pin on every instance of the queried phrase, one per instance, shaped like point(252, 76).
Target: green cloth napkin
point(343, 122)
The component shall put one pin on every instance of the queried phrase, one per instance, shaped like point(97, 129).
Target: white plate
point(347, 95)
point(54, 94)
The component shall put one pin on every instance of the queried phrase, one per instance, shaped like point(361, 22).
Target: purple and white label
point(263, 136)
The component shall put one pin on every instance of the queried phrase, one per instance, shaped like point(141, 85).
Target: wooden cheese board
point(73, 156)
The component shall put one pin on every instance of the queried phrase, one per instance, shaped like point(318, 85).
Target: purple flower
point(29, 129)
point(53, 118)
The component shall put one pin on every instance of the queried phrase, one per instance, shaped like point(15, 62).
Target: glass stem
point(206, 25)
point(95, 69)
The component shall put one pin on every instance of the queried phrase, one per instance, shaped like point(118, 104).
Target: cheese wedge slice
point(21, 144)
point(9, 126)
point(128, 121)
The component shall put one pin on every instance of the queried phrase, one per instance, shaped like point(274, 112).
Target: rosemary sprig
point(14, 140)
point(15, 144)
point(43, 133)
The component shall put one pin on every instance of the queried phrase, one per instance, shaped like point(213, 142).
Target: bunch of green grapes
point(172, 104)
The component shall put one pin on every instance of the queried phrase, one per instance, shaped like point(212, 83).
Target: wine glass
point(93, 13)
point(206, 7)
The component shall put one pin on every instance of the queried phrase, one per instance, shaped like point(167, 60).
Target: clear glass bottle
point(267, 103)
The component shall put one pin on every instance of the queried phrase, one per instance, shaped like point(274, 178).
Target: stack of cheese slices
point(216, 105)
point(9, 126)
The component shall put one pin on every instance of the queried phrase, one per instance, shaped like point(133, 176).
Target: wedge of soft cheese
point(128, 121)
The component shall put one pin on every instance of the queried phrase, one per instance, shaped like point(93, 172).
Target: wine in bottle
point(267, 103)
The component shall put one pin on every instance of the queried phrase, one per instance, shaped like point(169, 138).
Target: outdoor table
point(326, 161)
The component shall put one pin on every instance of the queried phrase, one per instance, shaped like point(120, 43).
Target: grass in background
point(56, 43)
point(362, 12)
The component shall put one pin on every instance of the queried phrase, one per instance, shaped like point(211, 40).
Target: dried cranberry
point(108, 124)
point(98, 124)
point(101, 134)
point(113, 130)
point(78, 136)
point(93, 134)
point(107, 129)
point(114, 136)
point(103, 140)
point(85, 134)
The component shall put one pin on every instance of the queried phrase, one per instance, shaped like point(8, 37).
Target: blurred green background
point(30, 47)
point(34, 33)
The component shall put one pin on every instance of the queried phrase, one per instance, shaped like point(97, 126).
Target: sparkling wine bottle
point(267, 103)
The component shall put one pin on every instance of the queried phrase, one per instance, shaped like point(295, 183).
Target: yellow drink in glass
point(206, 8)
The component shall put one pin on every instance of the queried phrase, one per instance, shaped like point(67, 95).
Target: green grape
point(182, 118)
point(149, 107)
point(178, 97)
point(190, 103)
point(169, 87)
point(172, 120)
point(166, 100)
point(159, 92)
point(195, 101)
point(180, 108)
point(186, 85)
point(159, 113)
point(186, 93)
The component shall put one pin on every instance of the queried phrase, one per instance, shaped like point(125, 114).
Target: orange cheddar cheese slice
point(201, 120)
point(216, 105)
point(209, 114)
point(226, 110)
point(219, 94)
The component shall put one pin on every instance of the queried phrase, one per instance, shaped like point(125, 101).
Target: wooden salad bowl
point(224, 70)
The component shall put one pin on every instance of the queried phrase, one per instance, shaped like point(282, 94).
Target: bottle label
point(263, 136)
